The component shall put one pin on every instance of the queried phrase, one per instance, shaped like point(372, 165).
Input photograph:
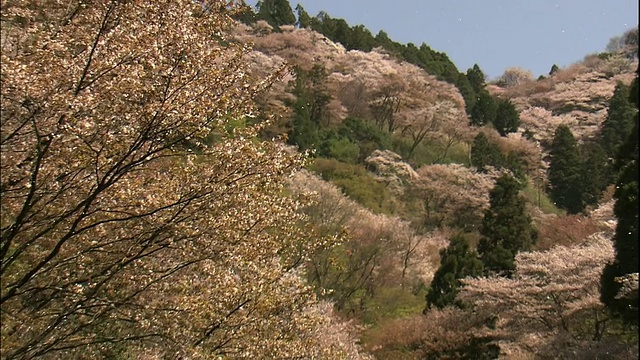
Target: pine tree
point(506, 228)
point(565, 171)
point(619, 120)
point(304, 20)
point(626, 235)
point(276, 12)
point(507, 118)
point(595, 174)
point(554, 69)
point(467, 92)
point(304, 132)
point(309, 109)
point(476, 78)
point(485, 153)
point(457, 261)
point(485, 109)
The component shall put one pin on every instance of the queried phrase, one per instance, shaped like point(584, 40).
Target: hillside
point(428, 199)
point(576, 96)
point(198, 180)
point(355, 79)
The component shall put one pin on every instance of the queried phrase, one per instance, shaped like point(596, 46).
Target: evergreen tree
point(595, 173)
point(626, 234)
point(565, 171)
point(342, 33)
point(619, 120)
point(276, 13)
point(554, 69)
point(304, 20)
point(304, 131)
point(312, 97)
point(457, 261)
point(506, 228)
point(361, 39)
point(484, 110)
point(514, 163)
point(507, 118)
point(476, 78)
point(485, 153)
point(467, 92)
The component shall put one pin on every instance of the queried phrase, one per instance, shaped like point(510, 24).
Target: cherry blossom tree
point(452, 192)
point(140, 215)
point(551, 305)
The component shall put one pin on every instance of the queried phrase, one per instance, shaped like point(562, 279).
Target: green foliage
point(566, 171)
point(457, 261)
point(485, 153)
point(368, 136)
point(357, 183)
point(304, 132)
point(514, 163)
point(507, 118)
point(484, 110)
point(304, 20)
point(430, 152)
point(619, 120)
point(626, 234)
point(554, 69)
point(382, 39)
point(535, 195)
point(466, 90)
point(506, 228)
point(309, 109)
point(595, 173)
point(476, 78)
point(389, 303)
point(276, 13)
point(339, 148)
point(359, 38)
point(352, 141)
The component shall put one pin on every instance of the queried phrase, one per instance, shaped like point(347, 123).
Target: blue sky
point(495, 34)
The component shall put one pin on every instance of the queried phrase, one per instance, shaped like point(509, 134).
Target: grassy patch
point(357, 183)
point(431, 151)
point(540, 199)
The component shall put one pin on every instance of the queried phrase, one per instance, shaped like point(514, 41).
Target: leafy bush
point(356, 182)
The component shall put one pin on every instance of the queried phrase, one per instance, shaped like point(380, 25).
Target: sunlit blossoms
point(139, 214)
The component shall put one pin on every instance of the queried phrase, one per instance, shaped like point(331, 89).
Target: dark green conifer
point(626, 234)
point(595, 173)
point(619, 120)
point(565, 171)
point(304, 20)
point(476, 78)
point(457, 261)
point(485, 153)
point(484, 110)
point(506, 228)
point(276, 12)
point(507, 118)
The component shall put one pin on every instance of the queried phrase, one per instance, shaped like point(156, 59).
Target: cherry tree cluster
point(140, 216)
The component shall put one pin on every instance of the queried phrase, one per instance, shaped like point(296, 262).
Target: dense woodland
point(207, 180)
